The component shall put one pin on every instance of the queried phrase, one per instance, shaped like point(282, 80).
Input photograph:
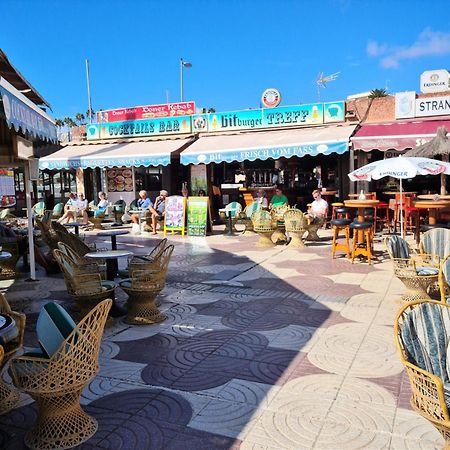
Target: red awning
point(396, 135)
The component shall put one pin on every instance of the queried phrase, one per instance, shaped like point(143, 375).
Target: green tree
point(69, 122)
point(79, 117)
point(59, 122)
point(90, 113)
point(377, 93)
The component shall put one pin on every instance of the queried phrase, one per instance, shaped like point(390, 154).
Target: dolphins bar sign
point(312, 114)
point(138, 128)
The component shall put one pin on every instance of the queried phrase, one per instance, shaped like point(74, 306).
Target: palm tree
point(59, 122)
point(377, 93)
point(69, 122)
point(79, 117)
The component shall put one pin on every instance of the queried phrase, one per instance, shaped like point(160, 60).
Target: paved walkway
point(274, 348)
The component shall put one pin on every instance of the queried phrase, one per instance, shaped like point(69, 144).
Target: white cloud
point(429, 43)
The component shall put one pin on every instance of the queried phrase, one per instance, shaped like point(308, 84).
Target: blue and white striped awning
point(21, 113)
point(124, 154)
point(269, 144)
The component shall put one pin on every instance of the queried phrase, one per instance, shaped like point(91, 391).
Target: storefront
point(121, 168)
point(299, 148)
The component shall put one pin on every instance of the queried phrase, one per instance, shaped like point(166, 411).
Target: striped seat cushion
point(398, 247)
point(53, 326)
point(424, 271)
point(425, 335)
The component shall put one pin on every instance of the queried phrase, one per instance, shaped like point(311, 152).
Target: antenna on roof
point(323, 80)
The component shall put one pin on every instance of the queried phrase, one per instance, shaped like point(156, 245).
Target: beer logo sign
point(271, 98)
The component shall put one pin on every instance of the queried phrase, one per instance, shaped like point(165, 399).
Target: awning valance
point(396, 135)
point(22, 113)
point(125, 154)
point(268, 144)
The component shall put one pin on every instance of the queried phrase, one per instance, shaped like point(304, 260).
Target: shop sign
point(405, 105)
point(146, 112)
point(7, 188)
point(433, 106)
point(197, 216)
point(334, 112)
point(271, 98)
point(435, 81)
point(138, 128)
point(199, 181)
point(174, 214)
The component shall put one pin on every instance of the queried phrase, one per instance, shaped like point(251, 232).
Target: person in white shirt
point(261, 198)
point(77, 206)
point(319, 207)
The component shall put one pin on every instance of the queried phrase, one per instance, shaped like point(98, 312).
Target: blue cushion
point(53, 326)
point(398, 247)
point(424, 271)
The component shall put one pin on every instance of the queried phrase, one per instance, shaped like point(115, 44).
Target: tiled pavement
point(262, 349)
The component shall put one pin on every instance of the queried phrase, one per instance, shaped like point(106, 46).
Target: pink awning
point(396, 135)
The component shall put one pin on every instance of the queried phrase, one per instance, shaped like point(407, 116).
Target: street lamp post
point(183, 64)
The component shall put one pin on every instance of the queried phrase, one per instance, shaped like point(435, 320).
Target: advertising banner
point(174, 214)
point(199, 180)
point(146, 112)
point(138, 128)
point(7, 189)
point(120, 180)
point(197, 216)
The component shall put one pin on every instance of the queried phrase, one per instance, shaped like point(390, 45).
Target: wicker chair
point(419, 273)
point(8, 267)
point(426, 368)
point(150, 261)
point(56, 383)
point(89, 265)
point(277, 213)
point(48, 235)
point(312, 226)
point(9, 397)
point(6, 214)
point(444, 280)
point(245, 217)
point(263, 225)
point(84, 286)
point(294, 223)
point(436, 242)
point(142, 289)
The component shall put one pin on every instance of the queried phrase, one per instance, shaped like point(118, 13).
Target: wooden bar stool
point(334, 206)
point(363, 248)
point(341, 222)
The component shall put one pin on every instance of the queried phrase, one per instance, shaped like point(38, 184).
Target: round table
point(361, 205)
point(111, 260)
point(431, 197)
point(433, 206)
point(355, 196)
point(113, 234)
point(75, 225)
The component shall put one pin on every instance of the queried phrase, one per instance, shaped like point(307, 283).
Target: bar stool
point(334, 206)
point(341, 223)
point(363, 248)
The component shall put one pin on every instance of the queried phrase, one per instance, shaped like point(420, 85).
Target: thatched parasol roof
point(439, 145)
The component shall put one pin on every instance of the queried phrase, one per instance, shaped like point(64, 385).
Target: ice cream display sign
point(174, 214)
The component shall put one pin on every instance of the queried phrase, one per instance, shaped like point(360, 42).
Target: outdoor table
point(111, 260)
point(75, 225)
point(432, 196)
point(113, 234)
point(227, 212)
point(355, 196)
point(141, 214)
point(394, 193)
point(433, 206)
point(361, 205)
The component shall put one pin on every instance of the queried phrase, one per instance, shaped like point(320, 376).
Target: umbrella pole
point(401, 208)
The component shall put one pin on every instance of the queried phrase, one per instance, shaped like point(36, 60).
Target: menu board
point(120, 180)
point(197, 216)
point(174, 214)
point(7, 189)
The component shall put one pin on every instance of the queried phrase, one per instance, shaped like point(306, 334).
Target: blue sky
point(237, 49)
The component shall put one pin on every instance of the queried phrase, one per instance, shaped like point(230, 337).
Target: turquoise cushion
point(108, 285)
point(53, 326)
point(423, 271)
point(126, 283)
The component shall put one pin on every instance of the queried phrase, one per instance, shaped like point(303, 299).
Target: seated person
point(160, 207)
point(279, 199)
point(201, 193)
point(261, 199)
point(319, 207)
point(76, 205)
point(144, 203)
point(96, 211)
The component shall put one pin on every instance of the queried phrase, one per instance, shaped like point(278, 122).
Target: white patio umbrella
point(401, 167)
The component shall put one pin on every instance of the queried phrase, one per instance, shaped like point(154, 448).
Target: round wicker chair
point(143, 287)
point(264, 226)
point(56, 384)
point(9, 397)
point(426, 373)
point(294, 223)
point(277, 213)
point(245, 217)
